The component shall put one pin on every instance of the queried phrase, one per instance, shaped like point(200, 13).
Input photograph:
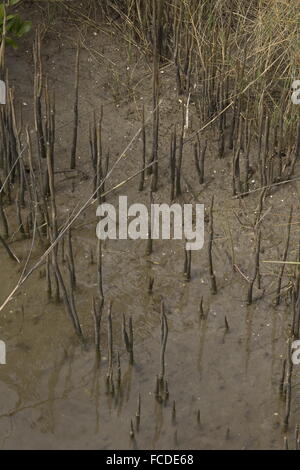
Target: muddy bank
point(223, 376)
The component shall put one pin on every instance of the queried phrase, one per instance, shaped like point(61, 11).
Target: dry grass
point(254, 43)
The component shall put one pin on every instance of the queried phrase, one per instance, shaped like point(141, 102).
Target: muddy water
point(53, 389)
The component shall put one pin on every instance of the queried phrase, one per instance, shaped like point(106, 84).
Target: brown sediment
point(55, 376)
